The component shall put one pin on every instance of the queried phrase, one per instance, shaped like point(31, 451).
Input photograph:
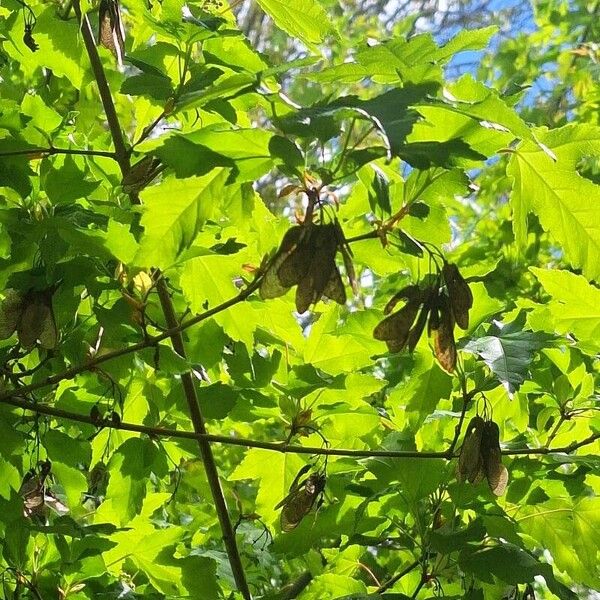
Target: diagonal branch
point(122, 157)
point(208, 459)
point(121, 153)
point(149, 342)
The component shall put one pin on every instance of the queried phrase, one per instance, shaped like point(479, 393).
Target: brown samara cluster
point(439, 305)
point(306, 258)
point(303, 495)
point(480, 456)
point(31, 315)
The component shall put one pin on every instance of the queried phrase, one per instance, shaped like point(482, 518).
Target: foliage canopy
point(324, 327)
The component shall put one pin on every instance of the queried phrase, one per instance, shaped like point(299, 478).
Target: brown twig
point(390, 582)
point(292, 590)
point(52, 150)
point(121, 153)
point(148, 342)
point(282, 447)
point(122, 156)
point(210, 466)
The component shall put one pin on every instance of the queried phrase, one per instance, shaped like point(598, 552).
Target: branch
point(123, 158)
point(390, 582)
point(71, 372)
point(52, 150)
point(212, 475)
point(282, 447)
point(292, 590)
point(121, 153)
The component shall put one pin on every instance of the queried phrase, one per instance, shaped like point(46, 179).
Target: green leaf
point(552, 188)
point(68, 183)
point(304, 19)
point(273, 473)
point(508, 350)
point(247, 151)
point(336, 349)
point(419, 395)
point(217, 400)
point(447, 541)
point(568, 528)
point(331, 586)
point(199, 578)
point(146, 84)
point(575, 305)
point(480, 102)
point(67, 455)
point(466, 39)
point(174, 211)
point(512, 565)
point(209, 280)
point(58, 49)
point(130, 469)
point(417, 478)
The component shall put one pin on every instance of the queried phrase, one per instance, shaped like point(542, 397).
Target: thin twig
point(52, 150)
point(390, 582)
point(281, 447)
point(418, 588)
point(371, 235)
point(121, 153)
point(148, 342)
point(466, 399)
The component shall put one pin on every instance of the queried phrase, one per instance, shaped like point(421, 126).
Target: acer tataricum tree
point(315, 325)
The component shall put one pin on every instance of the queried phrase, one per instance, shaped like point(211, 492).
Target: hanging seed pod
point(428, 295)
point(28, 38)
point(10, 312)
point(411, 293)
point(321, 269)
point(334, 290)
point(495, 471)
point(470, 462)
point(434, 318)
point(306, 258)
point(295, 265)
point(394, 330)
point(33, 490)
point(301, 499)
point(37, 323)
point(111, 34)
point(271, 286)
point(461, 297)
point(444, 345)
point(141, 174)
point(30, 20)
